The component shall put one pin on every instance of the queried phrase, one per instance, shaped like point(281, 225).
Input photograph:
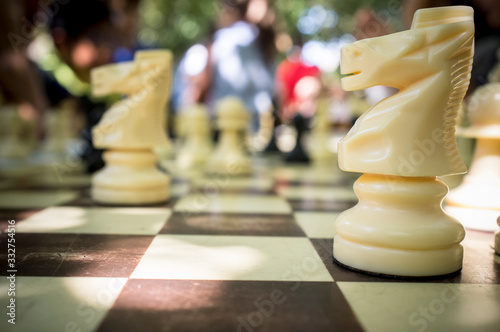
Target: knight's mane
point(460, 70)
point(460, 78)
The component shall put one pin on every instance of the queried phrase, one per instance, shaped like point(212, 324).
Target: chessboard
point(224, 253)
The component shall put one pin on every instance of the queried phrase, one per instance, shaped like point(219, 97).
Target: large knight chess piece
point(403, 143)
point(131, 128)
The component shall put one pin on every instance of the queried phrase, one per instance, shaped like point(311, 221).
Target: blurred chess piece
point(13, 144)
point(480, 188)
point(497, 239)
point(272, 145)
point(197, 145)
point(320, 151)
point(298, 154)
point(403, 143)
point(230, 155)
point(131, 128)
point(272, 122)
point(56, 125)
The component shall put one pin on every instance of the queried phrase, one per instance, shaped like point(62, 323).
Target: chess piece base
point(481, 187)
point(229, 157)
point(11, 148)
point(194, 153)
point(130, 177)
point(399, 228)
point(398, 262)
point(230, 166)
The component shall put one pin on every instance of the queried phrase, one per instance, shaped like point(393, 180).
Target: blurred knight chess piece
point(197, 141)
point(320, 151)
point(131, 128)
point(230, 155)
point(398, 227)
point(298, 153)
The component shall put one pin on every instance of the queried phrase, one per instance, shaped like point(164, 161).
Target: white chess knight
point(131, 128)
point(398, 226)
point(320, 152)
point(197, 144)
point(480, 188)
point(230, 156)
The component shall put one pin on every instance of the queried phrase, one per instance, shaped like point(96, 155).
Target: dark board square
point(317, 205)
point(232, 224)
point(76, 255)
point(242, 306)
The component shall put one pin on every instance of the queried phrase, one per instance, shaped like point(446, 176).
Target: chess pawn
point(57, 132)
point(320, 152)
point(196, 130)
point(11, 143)
point(298, 154)
point(480, 188)
point(131, 128)
point(403, 143)
point(230, 154)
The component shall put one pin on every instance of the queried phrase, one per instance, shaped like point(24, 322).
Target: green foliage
point(177, 24)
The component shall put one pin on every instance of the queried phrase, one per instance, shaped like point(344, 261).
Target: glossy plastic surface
point(413, 132)
point(138, 121)
point(398, 227)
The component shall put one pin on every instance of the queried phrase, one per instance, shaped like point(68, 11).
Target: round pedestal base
point(236, 166)
point(398, 262)
point(129, 197)
point(130, 178)
point(399, 228)
point(478, 196)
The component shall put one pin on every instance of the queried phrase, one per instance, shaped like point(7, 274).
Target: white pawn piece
point(320, 152)
point(403, 143)
point(11, 142)
point(480, 188)
point(131, 128)
point(56, 127)
point(230, 156)
point(197, 141)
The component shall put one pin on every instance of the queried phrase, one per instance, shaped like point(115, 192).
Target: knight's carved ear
point(414, 40)
point(452, 38)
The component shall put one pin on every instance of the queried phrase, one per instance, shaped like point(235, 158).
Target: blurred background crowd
point(280, 55)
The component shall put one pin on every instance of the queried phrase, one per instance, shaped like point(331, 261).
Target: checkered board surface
point(224, 254)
